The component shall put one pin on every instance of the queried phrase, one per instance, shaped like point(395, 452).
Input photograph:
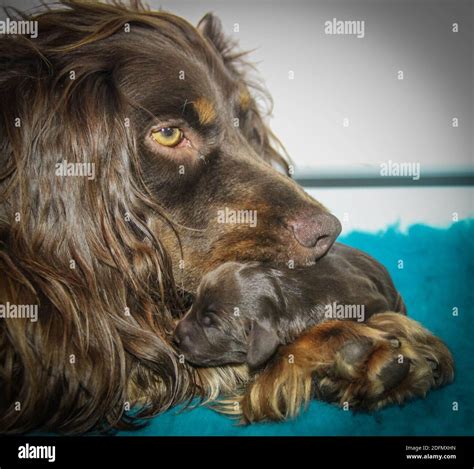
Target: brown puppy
point(255, 314)
point(244, 311)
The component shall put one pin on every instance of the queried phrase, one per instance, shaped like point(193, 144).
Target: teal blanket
point(437, 277)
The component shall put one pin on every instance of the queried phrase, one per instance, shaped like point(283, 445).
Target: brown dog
point(148, 103)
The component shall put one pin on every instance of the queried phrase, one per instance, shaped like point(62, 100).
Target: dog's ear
point(262, 344)
point(257, 132)
point(210, 26)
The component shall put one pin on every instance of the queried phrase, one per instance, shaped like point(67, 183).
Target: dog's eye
point(168, 136)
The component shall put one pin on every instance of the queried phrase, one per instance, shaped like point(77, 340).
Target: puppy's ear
point(262, 344)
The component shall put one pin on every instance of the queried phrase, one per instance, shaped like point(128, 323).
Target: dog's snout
point(317, 232)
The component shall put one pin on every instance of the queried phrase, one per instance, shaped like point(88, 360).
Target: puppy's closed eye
point(208, 319)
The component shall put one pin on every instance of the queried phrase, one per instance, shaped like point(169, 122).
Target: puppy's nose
point(317, 232)
point(181, 334)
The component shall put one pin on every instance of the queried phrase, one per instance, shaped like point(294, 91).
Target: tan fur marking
point(244, 99)
point(205, 110)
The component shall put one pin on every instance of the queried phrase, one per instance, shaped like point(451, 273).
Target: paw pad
point(356, 352)
point(394, 373)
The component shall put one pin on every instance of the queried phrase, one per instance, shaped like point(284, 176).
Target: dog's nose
point(317, 232)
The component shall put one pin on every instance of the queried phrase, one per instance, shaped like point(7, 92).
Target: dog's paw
point(369, 371)
point(360, 366)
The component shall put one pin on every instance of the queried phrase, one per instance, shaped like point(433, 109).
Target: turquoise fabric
point(437, 275)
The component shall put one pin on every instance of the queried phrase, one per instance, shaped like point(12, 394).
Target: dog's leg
point(388, 360)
